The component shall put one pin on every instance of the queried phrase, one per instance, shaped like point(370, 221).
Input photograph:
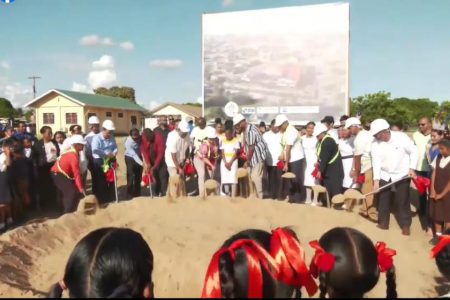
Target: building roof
point(85, 99)
point(191, 110)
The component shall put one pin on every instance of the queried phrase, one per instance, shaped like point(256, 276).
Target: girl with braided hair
point(348, 264)
point(257, 264)
point(108, 263)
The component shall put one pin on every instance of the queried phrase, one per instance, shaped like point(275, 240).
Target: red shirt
point(157, 149)
point(70, 165)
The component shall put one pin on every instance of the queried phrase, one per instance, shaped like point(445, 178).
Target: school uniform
point(101, 147)
point(330, 165)
point(134, 165)
point(67, 178)
point(391, 161)
point(5, 186)
point(440, 209)
point(229, 149)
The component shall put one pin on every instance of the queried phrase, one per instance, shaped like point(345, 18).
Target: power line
point(34, 84)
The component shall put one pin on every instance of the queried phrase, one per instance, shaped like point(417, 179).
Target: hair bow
point(322, 260)
point(385, 261)
point(256, 256)
point(444, 241)
point(290, 259)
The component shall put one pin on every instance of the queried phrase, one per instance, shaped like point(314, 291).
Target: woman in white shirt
point(347, 150)
point(229, 147)
point(309, 146)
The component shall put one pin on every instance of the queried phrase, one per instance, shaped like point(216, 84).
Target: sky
point(399, 46)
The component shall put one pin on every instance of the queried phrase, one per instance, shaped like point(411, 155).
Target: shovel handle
point(387, 185)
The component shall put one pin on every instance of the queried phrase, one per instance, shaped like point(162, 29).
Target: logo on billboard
point(248, 110)
point(231, 109)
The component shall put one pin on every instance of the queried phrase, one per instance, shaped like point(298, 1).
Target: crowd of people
point(118, 263)
point(369, 157)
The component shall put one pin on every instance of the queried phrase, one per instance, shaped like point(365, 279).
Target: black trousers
point(275, 184)
point(70, 194)
point(333, 185)
point(161, 179)
point(423, 199)
point(104, 191)
point(46, 188)
point(295, 187)
point(400, 193)
point(134, 177)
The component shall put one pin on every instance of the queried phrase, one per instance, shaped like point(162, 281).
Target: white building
point(181, 111)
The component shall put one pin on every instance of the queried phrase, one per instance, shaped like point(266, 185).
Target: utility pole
point(34, 84)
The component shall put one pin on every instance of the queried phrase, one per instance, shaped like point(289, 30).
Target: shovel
point(115, 184)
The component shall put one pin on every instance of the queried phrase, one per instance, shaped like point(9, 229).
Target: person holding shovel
point(67, 176)
point(152, 151)
point(394, 158)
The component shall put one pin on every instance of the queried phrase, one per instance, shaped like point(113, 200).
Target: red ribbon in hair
point(290, 259)
point(385, 261)
point(322, 261)
point(444, 241)
point(256, 256)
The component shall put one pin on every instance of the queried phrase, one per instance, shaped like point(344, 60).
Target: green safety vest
point(319, 149)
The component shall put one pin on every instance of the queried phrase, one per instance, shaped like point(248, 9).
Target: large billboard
point(289, 60)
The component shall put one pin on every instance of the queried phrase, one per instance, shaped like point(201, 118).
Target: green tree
point(418, 108)
point(27, 114)
point(118, 91)
point(6, 109)
point(193, 104)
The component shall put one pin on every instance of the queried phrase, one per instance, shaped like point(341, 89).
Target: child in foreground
point(108, 263)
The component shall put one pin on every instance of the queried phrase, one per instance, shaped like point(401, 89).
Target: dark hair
point(262, 124)
point(44, 129)
point(61, 133)
point(22, 123)
point(108, 262)
point(355, 271)
point(229, 125)
point(134, 130)
point(148, 134)
point(8, 143)
point(218, 121)
point(233, 274)
point(343, 118)
point(443, 259)
point(272, 122)
point(445, 142)
point(438, 131)
point(310, 123)
point(17, 147)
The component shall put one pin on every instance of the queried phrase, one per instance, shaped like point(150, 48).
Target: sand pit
point(184, 235)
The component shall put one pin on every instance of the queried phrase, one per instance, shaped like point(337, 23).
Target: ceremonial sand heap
point(183, 236)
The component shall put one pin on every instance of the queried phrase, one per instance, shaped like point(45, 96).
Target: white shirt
point(334, 134)
point(442, 164)
point(88, 138)
point(3, 165)
point(292, 138)
point(273, 141)
point(392, 160)
point(421, 142)
point(178, 145)
point(50, 151)
point(363, 144)
point(198, 135)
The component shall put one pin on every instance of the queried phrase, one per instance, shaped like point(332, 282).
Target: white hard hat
point(378, 125)
point(352, 122)
point(211, 132)
point(319, 128)
point(93, 120)
point(108, 125)
point(279, 120)
point(77, 139)
point(183, 126)
point(237, 119)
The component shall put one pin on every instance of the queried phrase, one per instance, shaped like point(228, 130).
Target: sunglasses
point(421, 124)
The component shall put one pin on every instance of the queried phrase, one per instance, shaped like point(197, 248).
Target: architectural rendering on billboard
point(290, 60)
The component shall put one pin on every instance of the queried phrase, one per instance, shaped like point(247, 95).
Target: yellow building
point(60, 109)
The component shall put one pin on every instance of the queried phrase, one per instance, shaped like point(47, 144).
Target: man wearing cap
point(328, 121)
point(394, 156)
point(103, 147)
point(67, 176)
point(362, 162)
point(331, 170)
point(293, 157)
point(256, 150)
point(94, 124)
point(177, 149)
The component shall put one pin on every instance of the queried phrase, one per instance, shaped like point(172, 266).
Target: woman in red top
point(66, 174)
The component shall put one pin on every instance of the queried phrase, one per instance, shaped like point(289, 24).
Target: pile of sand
point(184, 235)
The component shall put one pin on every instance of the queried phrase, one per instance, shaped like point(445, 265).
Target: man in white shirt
point(328, 121)
point(422, 138)
point(198, 135)
point(394, 156)
point(94, 123)
point(362, 162)
point(177, 148)
point(293, 157)
point(273, 141)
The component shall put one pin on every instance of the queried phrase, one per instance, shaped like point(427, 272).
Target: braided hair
point(107, 263)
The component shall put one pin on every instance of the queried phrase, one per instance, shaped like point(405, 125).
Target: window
point(108, 114)
point(91, 115)
point(49, 118)
point(133, 120)
point(120, 115)
point(71, 118)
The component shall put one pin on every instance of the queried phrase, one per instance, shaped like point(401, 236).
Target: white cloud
point(79, 87)
point(227, 2)
point(102, 78)
point(200, 100)
point(15, 92)
point(105, 62)
point(95, 40)
point(153, 104)
point(4, 64)
point(107, 42)
point(127, 46)
point(166, 63)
